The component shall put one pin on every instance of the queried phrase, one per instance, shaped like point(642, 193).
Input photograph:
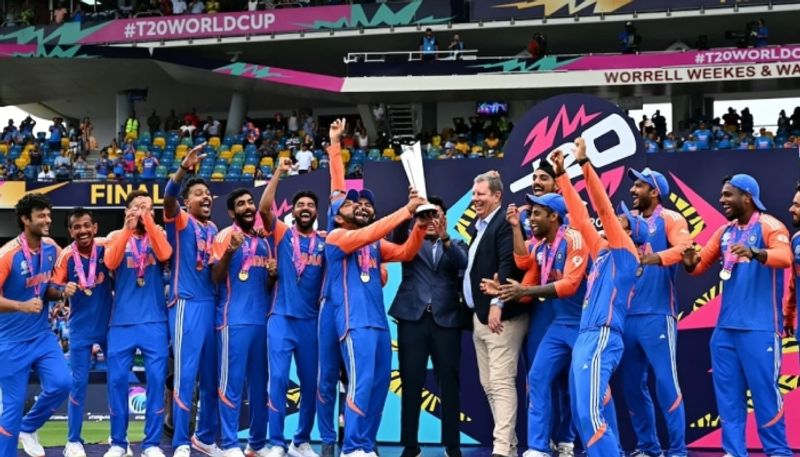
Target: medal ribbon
point(299, 262)
point(203, 249)
point(248, 251)
point(139, 257)
point(364, 260)
point(550, 252)
point(26, 252)
point(740, 234)
point(83, 281)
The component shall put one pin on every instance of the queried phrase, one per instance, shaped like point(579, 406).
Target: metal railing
point(411, 56)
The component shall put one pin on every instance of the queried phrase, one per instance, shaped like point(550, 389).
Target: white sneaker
point(153, 451)
point(356, 453)
point(276, 451)
point(211, 450)
point(566, 450)
point(128, 451)
point(250, 452)
point(532, 453)
point(233, 452)
point(302, 450)
point(74, 450)
point(30, 443)
point(115, 451)
point(182, 451)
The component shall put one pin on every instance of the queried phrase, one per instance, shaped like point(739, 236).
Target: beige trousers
point(497, 356)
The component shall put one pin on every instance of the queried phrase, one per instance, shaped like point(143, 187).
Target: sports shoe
point(115, 451)
point(211, 450)
point(533, 453)
point(30, 443)
point(356, 453)
point(413, 452)
point(250, 452)
point(327, 450)
point(74, 450)
point(301, 450)
point(153, 451)
point(128, 451)
point(182, 451)
point(233, 452)
point(566, 450)
point(276, 451)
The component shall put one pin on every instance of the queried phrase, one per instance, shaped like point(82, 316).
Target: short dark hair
point(236, 193)
point(191, 182)
point(434, 200)
point(797, 188)
point(28, 203)
point(78, 211)
point(305, 194)
point(133, 195)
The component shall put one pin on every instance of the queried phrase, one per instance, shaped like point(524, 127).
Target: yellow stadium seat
point(3, 148)
point(22, 162)
point(346, 155)
point(138, 155)
point(285, 153)
point(249, 169)
point(267, 162)
point(226, 155)
point(64, 142)
point(131, 136)
point(160, 141)
point(389, 153)
point(217, 176)
point(236, 148)
point(214, 142)
point(28, 147)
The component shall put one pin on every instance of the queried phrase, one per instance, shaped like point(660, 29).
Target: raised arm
point(578, 214)
point(335, 162)
point(158, 238)
point(351, 240)
point(512, 216)
point(405, 252)
point(173, 189)
point(268, 196)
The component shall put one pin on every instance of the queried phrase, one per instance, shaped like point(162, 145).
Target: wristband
point(186, 169)
point(173, 189)
point(583, 161)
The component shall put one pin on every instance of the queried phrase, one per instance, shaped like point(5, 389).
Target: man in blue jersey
point(292, 325)
point(26, 342)
point(191, 308)
point(746, 344)
point(651, 326)
point(84, 279)
point(598, 348)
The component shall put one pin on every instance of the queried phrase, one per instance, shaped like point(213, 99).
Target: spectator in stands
point(362, 139)
point(171, 123)
point(113, 149)
point(743, 141)
point(251, 132)
point(63, 173)
point(492, 143)
point(192, 118)
point(760, 34)
point(304, 159)
point(646, 126)
point(36, 158)
point(153, 123)
point(62, 160)
point(534, 48)
point(187, 129)
point(149, 164)
point(309, 125)
point(212, 127)
point(747, 121)
point(196, 7)
point(10, 131)
point(46, 174)
point(455, 47)
point(724, 142)
point(57, 131)
point(660, 124)
point(178, 6)
point(293, 122)
point(690, 145)
point(703, 136)
point(671, 143)
point(428, 45)
point(651, 143)
point(461, 146)
point(12, 172)
point(60, 13)
point(791, 142)
point(683, 131)
point(77, 14)
point(252, 5)
point(119, 168)
point(783, 122)
point(731, 120)
point(129, 160)
point(629, 41)
point(212, 6)
point(132, 126)
point(26, 127)
point(795, 119)
point(103, 166)
point(764, 140)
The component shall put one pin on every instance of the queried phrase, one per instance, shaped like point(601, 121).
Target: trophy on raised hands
point(412, 164)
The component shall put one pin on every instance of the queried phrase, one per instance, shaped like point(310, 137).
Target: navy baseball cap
point(552, 201)
point(336, 205)
point(637, 224)
point(653, 178)
point(364, 193)
point(747, 183)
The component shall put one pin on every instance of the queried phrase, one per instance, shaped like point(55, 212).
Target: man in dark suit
point(430, 319)
point(499, 328)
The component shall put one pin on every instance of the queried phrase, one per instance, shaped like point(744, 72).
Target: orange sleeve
point(181, 219)
point(531, 278)
point(615, 234)
point(280, 231)
point(525, 262)
point(220, 245)
point(5, 264)
point(115, 251)
point(158, 238)
point(710, 252)
point(790, 301)
point(574, 266)
point(678, 237)
point(579, 215)
point(336, 166)
point(60, 271)
point(391, 252)
point(776, 239)
point(349, 241)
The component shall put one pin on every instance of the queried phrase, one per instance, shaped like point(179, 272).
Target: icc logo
point(137, 400)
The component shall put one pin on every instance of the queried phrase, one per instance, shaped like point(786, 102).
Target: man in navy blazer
point(430, 319)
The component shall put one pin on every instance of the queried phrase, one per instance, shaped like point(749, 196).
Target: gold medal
point(365, 277)
point(542, 299)
point(724, 275)
point(140, 282)
point(87, 292)
point(243, 275)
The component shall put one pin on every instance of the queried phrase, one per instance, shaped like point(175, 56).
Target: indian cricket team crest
point(797, 250)
point(560, 256)
point(23, 267)
point(539, 257)
point(752, 239)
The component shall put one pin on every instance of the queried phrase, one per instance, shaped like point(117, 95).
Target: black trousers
point(416, 341)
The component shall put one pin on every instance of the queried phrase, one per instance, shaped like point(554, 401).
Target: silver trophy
point(412, 164)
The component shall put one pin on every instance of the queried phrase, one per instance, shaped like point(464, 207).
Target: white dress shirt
point(480, 225)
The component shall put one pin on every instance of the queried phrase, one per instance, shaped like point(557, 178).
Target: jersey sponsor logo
point(577, 260)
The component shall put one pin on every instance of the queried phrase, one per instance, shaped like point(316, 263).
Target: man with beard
point(746, 344)
point(292, 324)
point(598, 348)
point(136, 255)
point(26, 341)
point(84, 279)
point(651, 327)
point(555, 276)
point(242, 263)
point(191, 308)
point(790, 298)
point(354, 251)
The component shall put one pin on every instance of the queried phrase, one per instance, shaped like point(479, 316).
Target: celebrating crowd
point(538, 280)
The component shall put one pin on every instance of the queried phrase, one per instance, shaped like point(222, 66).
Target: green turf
point(54, 433)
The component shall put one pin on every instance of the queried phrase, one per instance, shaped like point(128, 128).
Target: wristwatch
point(756, 252)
